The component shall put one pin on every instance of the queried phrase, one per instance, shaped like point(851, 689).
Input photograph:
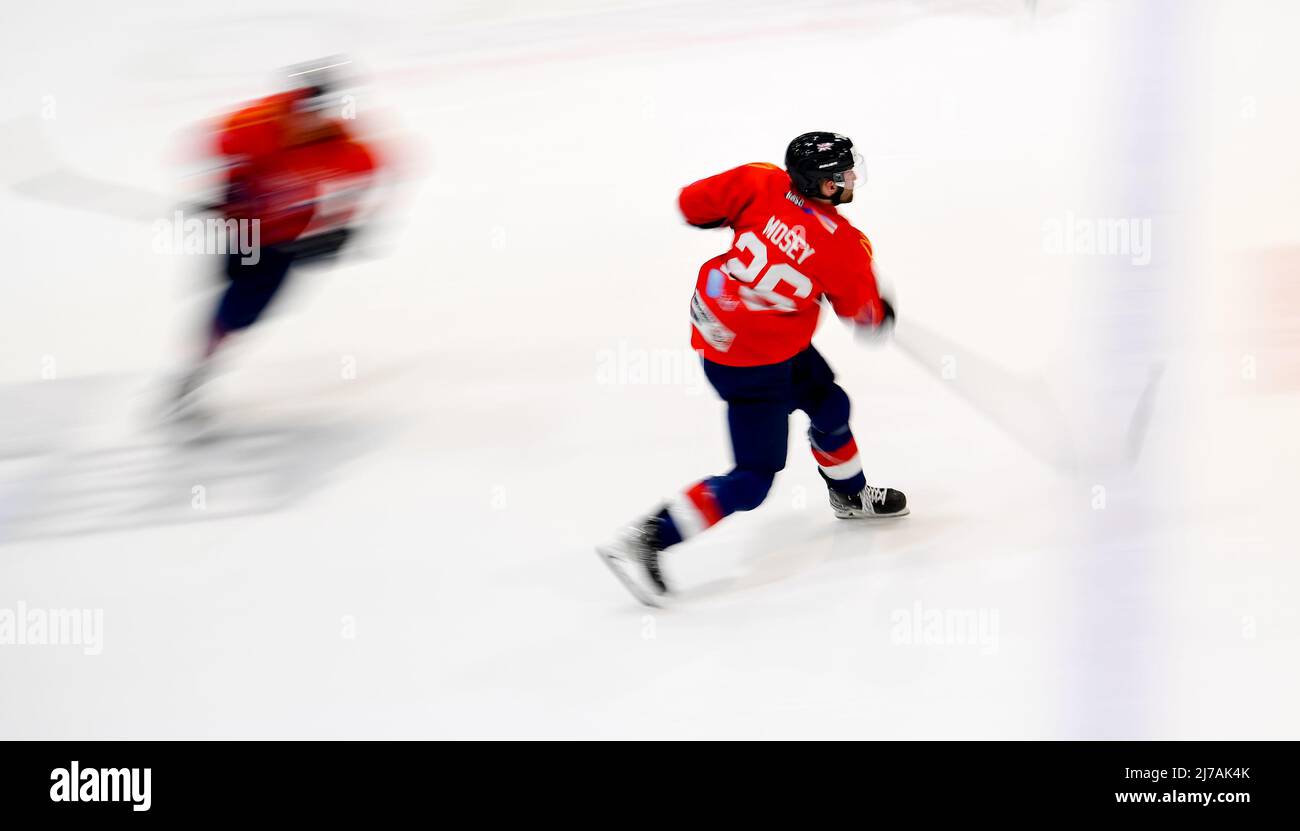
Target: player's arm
point(719, 200)
point(340, 209)
point(857, 298)
point(238, 141)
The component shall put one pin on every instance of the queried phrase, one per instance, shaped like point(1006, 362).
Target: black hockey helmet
point(815, 157)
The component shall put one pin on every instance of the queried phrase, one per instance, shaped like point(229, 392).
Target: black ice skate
point(871, 503)
point(634, 559)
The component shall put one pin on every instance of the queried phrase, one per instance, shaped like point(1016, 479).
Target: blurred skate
point(185, 409)
point(634, 558)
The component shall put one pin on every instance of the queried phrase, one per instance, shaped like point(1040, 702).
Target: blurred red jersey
point(293, 182)
point(758, 302)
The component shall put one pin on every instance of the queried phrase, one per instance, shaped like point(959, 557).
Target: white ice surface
point(426, 567)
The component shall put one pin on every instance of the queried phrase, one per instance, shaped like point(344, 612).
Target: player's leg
point(758, 422)
point(833, 446)
point(250, 288)
point(758, 413)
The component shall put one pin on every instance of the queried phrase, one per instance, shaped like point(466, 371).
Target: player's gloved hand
point(875, 322)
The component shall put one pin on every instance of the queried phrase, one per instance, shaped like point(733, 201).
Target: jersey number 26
point(761, 296)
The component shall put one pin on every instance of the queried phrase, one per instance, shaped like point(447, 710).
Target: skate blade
point(849, 515)
point(619, 567)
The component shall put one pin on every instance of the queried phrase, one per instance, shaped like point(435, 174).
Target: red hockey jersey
point(758, 302)
point(292, 186)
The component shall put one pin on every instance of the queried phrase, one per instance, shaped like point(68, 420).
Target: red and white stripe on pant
point(694, 510)
point(841, 464)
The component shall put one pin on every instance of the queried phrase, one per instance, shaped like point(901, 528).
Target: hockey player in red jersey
point(753, 315)
point(298, 173)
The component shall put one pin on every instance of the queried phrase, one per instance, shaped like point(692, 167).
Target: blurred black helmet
point(815, 157)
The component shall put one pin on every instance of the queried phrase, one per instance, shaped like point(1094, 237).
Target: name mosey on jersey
point(790, 241)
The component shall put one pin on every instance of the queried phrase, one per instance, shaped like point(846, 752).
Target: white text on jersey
point(789, 240)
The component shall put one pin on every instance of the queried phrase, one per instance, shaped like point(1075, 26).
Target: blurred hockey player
point(296, 170)
point(753, 315)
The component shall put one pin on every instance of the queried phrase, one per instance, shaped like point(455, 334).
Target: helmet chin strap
point(837, 195)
